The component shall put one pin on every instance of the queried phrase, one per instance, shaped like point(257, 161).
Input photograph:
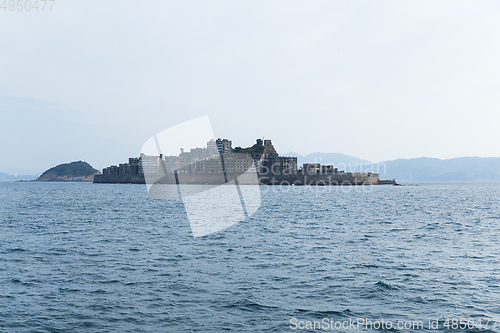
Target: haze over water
point(79, 257)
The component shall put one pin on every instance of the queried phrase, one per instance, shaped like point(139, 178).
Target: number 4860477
point(27, 5)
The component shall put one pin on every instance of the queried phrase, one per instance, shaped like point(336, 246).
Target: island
point(219, 163)
point(79, 171)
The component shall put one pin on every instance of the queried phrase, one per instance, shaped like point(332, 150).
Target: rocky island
point(79, 171)
point(219, 163)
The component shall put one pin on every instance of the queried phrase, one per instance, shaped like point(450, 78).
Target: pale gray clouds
point(379, 80)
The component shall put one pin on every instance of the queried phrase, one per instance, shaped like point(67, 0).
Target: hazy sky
point(93, 80)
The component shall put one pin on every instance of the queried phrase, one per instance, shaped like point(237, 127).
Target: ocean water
point(79, 257)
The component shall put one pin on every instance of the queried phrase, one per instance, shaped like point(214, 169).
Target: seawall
point(264, 179)
point(119, 179)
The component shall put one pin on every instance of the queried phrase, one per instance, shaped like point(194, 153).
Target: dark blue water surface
point(79, 257)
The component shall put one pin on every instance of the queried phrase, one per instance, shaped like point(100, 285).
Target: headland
point(79, 171)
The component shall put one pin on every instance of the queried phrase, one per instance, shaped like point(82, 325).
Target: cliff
point(69, 172)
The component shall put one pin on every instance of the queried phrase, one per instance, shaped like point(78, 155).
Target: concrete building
point(149, 164)
point(239, 163)
point(223, 145)
point(124, 169)
point(311, 168)
point(279, 164)
point(131, 168)
point(317, 168)
point(210, 165)
point(198, 154)
point(328, 169)
point(134, 165)
point(212, 147)
point(113, 170)
point(233, 163)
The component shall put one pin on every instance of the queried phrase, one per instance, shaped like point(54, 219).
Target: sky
point(379, 80)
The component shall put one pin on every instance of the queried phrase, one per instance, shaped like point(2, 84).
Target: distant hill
point(414, 169)
point(70, 172)
point(343, 162)
point(20, 171)
point(435, 169)
point(8, 178)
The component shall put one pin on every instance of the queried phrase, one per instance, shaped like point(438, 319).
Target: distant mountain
point(8, 178)
point(434, 169)
point(414, 169)
point(343, 162)
point(18, 171)
point(70, 172)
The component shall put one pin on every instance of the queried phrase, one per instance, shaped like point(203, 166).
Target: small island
point(218, 163)
point(79, 171)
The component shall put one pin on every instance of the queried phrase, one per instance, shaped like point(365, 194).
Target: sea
point(83, 257)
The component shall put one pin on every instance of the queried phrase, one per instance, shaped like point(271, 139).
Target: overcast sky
point(379, 80)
